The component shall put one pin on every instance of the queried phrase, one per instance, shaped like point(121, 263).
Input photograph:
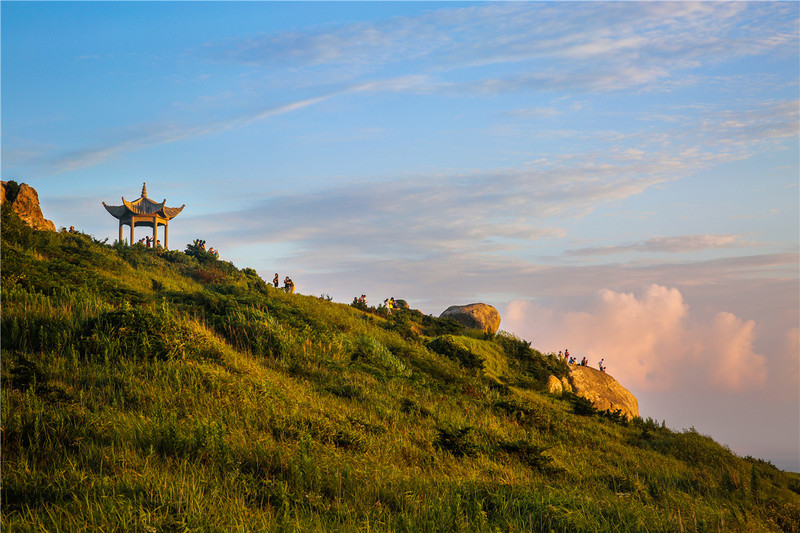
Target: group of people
point(150, 242)
point(202, 245)
point(584, 361)
point(288, 284)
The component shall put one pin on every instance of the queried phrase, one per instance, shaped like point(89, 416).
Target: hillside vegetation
point(147, 390)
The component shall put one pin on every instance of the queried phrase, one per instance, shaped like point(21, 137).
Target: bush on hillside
point(12, 190)
point(139, 332)
point(448, 346)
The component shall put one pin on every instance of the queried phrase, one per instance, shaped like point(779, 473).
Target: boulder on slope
point(603, 391)
point(476, 316)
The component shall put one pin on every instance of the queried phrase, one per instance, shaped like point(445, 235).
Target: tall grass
point(141, 396)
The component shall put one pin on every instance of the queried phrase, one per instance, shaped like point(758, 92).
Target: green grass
point(168, 391)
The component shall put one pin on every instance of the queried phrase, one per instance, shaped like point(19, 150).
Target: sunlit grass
point(158, 392)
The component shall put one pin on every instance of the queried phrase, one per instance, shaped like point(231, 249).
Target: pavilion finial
point(144, 190)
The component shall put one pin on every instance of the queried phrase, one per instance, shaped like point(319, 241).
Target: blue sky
point(619, 179)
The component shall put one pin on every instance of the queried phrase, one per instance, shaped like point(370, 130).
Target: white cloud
point(736, 366)
point(651, 341)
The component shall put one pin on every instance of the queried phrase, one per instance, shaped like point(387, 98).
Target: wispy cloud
point(673, 244)
point(546, 47)
point(597, 48)
point(144, 136)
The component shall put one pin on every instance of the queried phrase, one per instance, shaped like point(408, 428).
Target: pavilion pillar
point(120, 231)
point(155, 231)
point(133, 225)
point(166, 235)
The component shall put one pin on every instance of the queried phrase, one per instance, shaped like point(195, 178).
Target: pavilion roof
point(143, 206)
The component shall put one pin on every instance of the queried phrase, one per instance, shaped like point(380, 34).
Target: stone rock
point(477, 316)
point(401, 304)
point(603, 391)
point(26, 205)
point(566, 385)
point(554, 385)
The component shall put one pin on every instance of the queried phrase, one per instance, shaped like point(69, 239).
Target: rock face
point(603, 391)
point(557, 386)
point(477, 316)
point(25, 203)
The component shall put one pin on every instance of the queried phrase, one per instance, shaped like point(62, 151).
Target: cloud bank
point(649, 341)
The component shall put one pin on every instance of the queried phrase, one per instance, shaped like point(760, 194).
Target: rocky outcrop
point(603, 391)
point(24, 201)
point(476, 316)
point(557, 386)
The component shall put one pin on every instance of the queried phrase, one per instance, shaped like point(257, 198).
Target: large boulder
point(476, 316)
point(603, 391)
point(24, 202)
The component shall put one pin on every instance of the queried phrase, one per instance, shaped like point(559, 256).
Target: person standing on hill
point(275, 280)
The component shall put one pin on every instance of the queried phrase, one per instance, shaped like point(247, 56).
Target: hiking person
point(275, 280)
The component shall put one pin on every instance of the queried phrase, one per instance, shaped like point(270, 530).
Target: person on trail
point(584, 362)
point(566, 354)
point(600, 364)
point(560, 355)
point(275, 280)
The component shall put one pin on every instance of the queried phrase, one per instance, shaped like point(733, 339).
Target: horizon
point(617, 179)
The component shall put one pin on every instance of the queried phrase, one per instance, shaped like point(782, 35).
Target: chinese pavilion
point(144, 212)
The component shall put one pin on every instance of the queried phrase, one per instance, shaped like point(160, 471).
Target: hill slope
point(169, 391)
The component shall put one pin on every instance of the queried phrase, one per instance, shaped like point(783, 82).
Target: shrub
point(448, 346)
point(458, 441)
point(138, 332)
point(530, 454)
point(12, 190)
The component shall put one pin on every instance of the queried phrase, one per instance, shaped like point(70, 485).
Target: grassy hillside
point(169, 391)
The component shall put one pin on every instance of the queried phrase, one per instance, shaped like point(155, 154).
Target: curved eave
point(143, 206)
point(171, 212)
point(117, 211)
point(129, 209)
